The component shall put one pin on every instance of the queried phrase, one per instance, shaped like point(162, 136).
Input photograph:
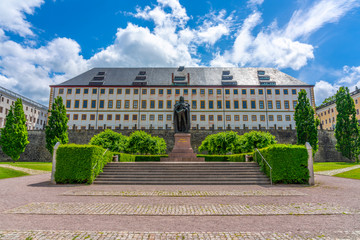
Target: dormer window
point(261, 72)
point(101, 73)
point(142, 73)
point(226, 73)
point(181, 68)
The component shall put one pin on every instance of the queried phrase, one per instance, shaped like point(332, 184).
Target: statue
point(182, 116)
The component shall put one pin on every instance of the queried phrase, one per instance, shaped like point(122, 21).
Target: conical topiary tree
point(14, 136)
point(56, 130)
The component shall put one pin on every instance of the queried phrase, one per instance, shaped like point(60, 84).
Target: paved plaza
point(32, 208)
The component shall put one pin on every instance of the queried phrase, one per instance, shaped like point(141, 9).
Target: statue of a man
point(182, 116)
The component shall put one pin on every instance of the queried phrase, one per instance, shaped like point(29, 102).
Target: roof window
point(181, 68)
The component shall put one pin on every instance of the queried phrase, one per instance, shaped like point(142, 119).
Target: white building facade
point(35, 113)
point(144, 98)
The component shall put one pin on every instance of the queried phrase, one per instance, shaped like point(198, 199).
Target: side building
point(327, 113)
point(143, 98)
point(35, 113)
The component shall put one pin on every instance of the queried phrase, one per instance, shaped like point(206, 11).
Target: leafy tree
point(115, 142)
point(14, 136)
point(306, 123)
point(220, 143)
point(254, 139)
point(327, 100)
point(347, 131)
point(56, 130)
point(141, 142)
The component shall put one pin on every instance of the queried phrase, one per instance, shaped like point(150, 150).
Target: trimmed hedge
point(149, 158)
point(288, 162)
point(124, 157)
point(80, 163)
point(238, 157)
point(224, 158)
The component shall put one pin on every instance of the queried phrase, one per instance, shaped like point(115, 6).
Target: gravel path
point(337, 171)
point(26, 170)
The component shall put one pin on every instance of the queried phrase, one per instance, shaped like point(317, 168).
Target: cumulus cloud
point(282, 47)
point(12, 15)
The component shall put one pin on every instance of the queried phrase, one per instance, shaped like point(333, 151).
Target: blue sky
point(48, 42)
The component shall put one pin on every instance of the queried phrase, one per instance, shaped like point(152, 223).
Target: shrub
point(214, 158)
point(108, 139)
point(80, 163)
point(124, 157)
point(238, 157)
point(141, 142)
point(149, 158)
point(288, 162)
point(254, 139)
point(220, 143)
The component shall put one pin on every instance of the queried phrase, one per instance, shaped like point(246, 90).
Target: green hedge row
point(80, 163)
point(224, 158)
point(288, 162)
point(124, 157)
point(149, 158)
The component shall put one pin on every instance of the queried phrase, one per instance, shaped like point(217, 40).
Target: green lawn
point(355, 174)
point(325, 166)
point(10, 173)
point(44, 166)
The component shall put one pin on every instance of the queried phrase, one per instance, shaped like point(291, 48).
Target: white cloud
point(324, 90)
point(253, 3)
point(12, 15)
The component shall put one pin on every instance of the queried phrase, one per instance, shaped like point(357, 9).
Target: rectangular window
point(186, 91)
point(227, 104)
point(236, 104)
point(144, 91)
point(279, 117)
point(286, 104)
point(202, 117)
point(168, 117)
point(295, 103)
point(85, 103)
point(69, 91)
point(77, 91)
point(102, 91)
point(244, 104)
point(253, 118)
point(135, 104)
point(278, 105)
point(161, 104)
point(117, 117)
point(293, 91)
point(127, 103)
point(193, 117)
point(152, 104)
point(218, 91)
point(92, 117)
point(271, 118)
point(118, 104)
point(268, 91)
point(193, 91)
point(126, 117)
point(61, 91)
point(143, 104)
point(161, 91)
point(111, 91)
point(211, 91)
point(243, 91)
point(253, 104)
point(94, 91)
point(270, 105)
point(227, 91)
point(286, 92)
point(237, 118)
point(277, 91)
point(177, 91)
point(219, 117)
point(101, 104)
point(262, 118)
point(202, 104)
point(93, 103)
point(101, 117)
point(109, 117)
point(211, 117)
point(228, 118)
point(252, 91)
point(287, 117)
point(152, 91)
point(77, 103)
point(169, 91)
point(261, 104)
point(219, 106)
point(68, 103)
point(75, 117)
point(261, 91)
point(110, 104)
point(202, 91)
point(168, 104)
point(118, 91)
point(143, 117)
point(211, 104)
point(193, 104)
point(245, 118)
point(134, 117)
point(236, 91)
point(152, 117)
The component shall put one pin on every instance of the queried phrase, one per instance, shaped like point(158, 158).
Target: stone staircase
point(183, 173)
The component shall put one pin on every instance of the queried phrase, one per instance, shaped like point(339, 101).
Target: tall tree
point(56, 130)
point(306, 124)
point(14, 136)
point(347, 131)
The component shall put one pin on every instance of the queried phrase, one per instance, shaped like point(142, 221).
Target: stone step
point(194, 172)
point(182, 169)
point(182, 176)
point(183, 182)
point(182, 163)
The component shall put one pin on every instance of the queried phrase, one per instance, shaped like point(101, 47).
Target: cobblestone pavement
point(180, 209)
point(26, 170)
point(337, 171)
point(78, 235)
point(160, 193)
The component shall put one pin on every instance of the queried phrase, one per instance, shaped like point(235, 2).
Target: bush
point(214, 158)
point(238, 157)
point(288, 162)
point(108, 139)
point(149, 158)
point(254, 139)
point(220, 143)
point(141, 142)
point(124, 157)
point(80, 163)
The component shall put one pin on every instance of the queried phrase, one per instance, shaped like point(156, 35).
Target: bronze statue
point(182, 116)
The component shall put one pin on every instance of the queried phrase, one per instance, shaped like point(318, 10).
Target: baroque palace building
point(144, 98)
point(327, 113)
point(35, 113)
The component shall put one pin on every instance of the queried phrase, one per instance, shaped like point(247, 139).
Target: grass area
point(325, 166)
point(10, 173)
point(44, 166)
point(354, 174)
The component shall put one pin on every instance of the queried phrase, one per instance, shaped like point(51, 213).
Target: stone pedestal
point(182, 151)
